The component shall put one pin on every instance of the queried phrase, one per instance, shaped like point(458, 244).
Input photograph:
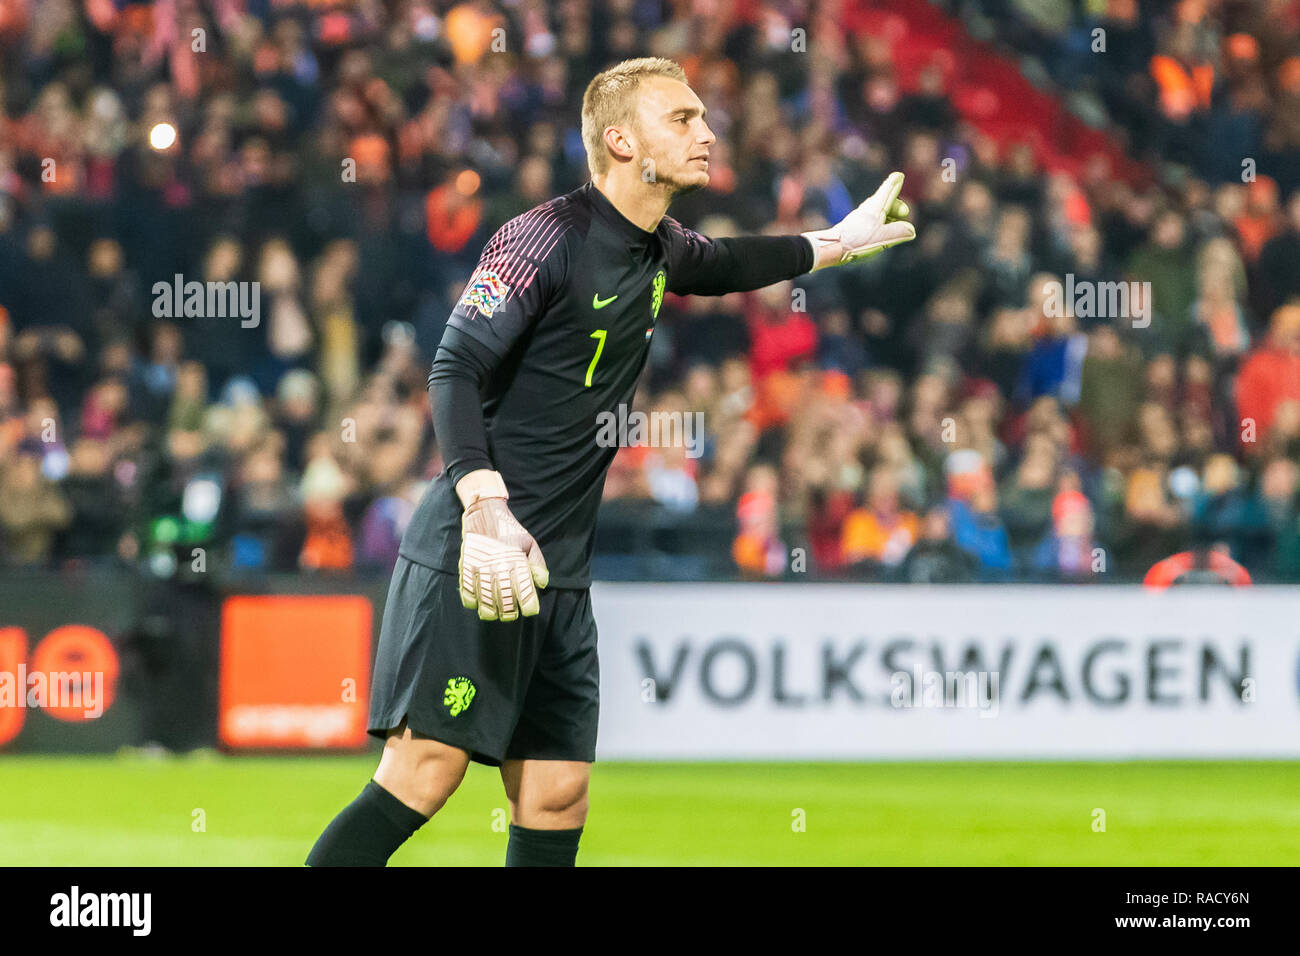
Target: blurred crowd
point(1200, 84)
point(925, 416)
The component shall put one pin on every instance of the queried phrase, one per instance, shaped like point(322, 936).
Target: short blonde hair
point(610, 101)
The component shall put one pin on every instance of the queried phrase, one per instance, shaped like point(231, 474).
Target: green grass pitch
point(81, 811)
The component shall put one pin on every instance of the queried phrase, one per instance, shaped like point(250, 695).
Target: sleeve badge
point(485, 292)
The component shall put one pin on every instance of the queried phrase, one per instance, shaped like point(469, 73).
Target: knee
point(562, 801)
point(436, 778)
point(567, 794)
point(421, 778)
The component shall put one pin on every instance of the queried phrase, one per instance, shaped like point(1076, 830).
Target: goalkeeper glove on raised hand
point(501, 566)
point(880, 222)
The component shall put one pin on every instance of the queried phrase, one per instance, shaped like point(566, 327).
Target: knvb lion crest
point(459, 695)
point(657, 293)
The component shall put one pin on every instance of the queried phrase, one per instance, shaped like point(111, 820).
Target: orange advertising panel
point(13, 652)
point(295, 671)
point(86, 656)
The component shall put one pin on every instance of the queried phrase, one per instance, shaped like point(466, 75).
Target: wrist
point(479, 485)
point(826, 246)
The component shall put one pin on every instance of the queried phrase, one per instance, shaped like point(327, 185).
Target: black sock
point(542, 847)
point(367, 831)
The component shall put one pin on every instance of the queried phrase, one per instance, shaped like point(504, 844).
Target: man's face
point(670, 138)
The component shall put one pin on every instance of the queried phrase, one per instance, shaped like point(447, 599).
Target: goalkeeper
point(487, 650)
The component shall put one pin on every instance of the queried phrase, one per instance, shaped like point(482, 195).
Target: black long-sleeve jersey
point(552, 330)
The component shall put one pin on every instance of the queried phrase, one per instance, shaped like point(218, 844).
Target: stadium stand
point(927, 416)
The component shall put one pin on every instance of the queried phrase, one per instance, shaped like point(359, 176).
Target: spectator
point(1164, 262)
point(1280, 491)
point(328, 544)
point(1110, 390)
point(779, 336)
point(882, 532)
point(972, 508)
point(94, 502)
point(936, 558)
point(1066, 553)
point(1279, 277)
point(32, 510)
point(1270, 377)
point(1054, 365)
point(758, 549)
point(1028, 498)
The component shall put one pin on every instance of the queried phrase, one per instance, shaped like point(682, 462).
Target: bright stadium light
point(162, 136)
point(468, 182)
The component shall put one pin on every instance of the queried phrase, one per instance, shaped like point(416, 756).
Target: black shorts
point(527, 689)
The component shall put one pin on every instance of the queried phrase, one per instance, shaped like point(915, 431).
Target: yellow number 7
point(599, 336)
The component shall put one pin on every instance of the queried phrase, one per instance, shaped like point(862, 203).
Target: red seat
point(986, 89)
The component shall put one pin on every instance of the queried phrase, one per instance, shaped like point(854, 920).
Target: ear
point(618, 143)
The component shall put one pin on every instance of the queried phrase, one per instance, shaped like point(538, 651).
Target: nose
point(706, 135)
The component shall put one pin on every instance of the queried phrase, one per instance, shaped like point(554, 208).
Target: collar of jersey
point(617, 221)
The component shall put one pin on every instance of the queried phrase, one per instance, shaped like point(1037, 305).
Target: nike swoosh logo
point(598, 303)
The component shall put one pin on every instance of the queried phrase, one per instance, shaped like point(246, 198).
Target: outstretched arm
point(698, 265)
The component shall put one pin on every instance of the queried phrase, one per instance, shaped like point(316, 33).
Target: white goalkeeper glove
point(501, 566)
point(880, 222)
